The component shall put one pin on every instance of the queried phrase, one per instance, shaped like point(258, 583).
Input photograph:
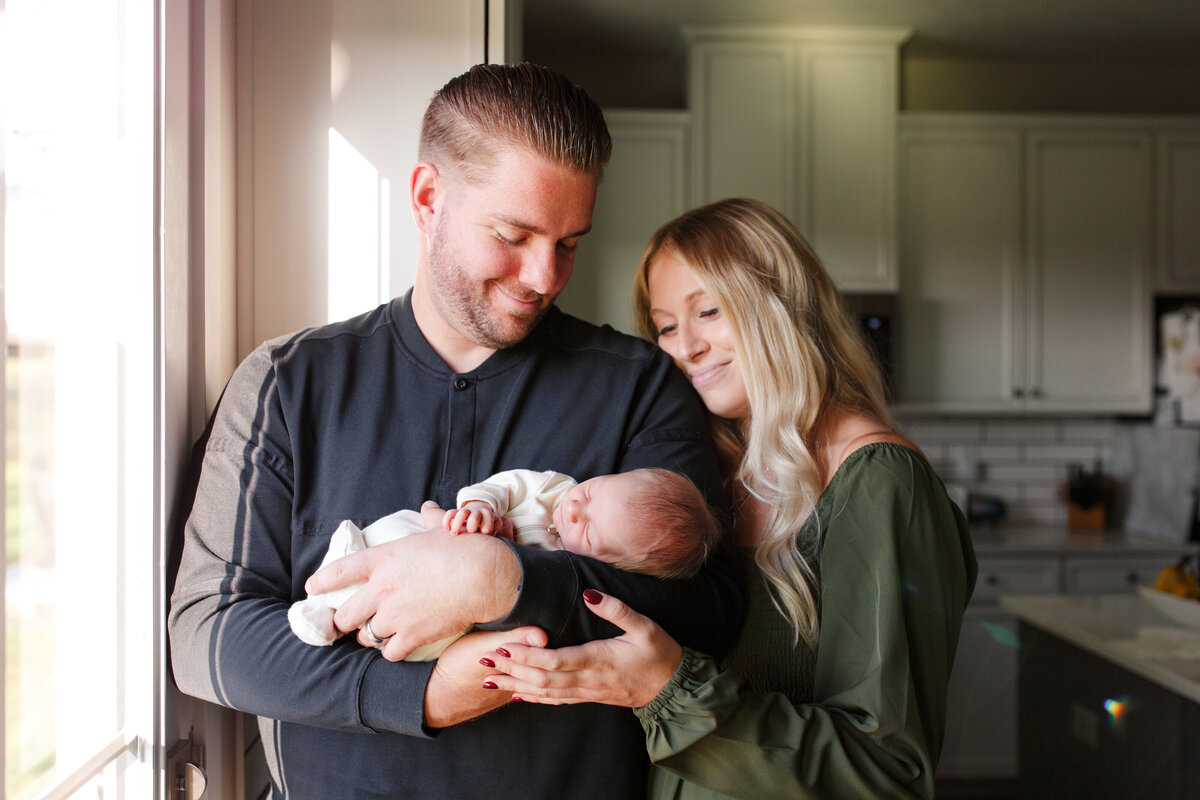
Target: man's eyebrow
point(531, 228)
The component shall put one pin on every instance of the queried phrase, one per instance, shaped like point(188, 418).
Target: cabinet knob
point(1035, 392)
point(993, 580)
point(1132, 577)
point(1018, 392)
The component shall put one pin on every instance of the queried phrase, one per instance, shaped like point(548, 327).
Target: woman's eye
point(666, 329)
point(711, 312)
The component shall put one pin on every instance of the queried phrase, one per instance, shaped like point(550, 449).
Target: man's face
point(502, 249)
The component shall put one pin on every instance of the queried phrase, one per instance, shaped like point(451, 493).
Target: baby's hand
point(474, 517)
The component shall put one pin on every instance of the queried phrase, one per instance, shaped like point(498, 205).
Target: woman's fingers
point(628, 670)
point(615, 611)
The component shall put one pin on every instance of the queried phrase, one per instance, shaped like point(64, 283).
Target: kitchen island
point(979, 755)
point(1108, 699)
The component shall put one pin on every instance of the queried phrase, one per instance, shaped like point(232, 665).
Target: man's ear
point(425, 187)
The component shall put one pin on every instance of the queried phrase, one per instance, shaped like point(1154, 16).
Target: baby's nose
point(572, 510)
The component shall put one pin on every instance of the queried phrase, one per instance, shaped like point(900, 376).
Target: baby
point(606, 518)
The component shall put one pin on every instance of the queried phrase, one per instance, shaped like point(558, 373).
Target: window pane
point(78, 269)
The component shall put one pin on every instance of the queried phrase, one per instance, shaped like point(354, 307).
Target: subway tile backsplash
point(1022, 461)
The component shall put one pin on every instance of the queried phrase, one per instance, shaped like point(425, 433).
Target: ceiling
point(1154, 31)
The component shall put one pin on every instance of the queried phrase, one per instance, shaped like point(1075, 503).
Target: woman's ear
point(425, 187)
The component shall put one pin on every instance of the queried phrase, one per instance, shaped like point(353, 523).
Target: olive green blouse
point(862, 715)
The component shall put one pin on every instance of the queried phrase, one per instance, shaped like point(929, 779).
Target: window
point(78, 272)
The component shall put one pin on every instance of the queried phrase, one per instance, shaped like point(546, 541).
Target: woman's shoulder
point(856, 435)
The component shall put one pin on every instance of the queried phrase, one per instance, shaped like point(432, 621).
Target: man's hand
point(456, 692)
point(422, 588)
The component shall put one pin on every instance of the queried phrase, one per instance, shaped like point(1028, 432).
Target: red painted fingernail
point(502, 652)
point(592, 596)
point(487, 662)
point(489, 685)
point(517, 699)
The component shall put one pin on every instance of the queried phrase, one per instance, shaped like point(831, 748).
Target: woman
point(858, 565)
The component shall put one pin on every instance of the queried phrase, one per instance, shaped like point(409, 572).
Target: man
point(473, 372)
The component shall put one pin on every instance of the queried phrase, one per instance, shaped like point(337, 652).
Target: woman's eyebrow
point(687, 299)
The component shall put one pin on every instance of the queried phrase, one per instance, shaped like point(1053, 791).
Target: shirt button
point(461, 383)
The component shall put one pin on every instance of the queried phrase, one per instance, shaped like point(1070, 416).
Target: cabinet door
point(1113, 575)
point(645, 185)
point(1178, 212)
point(1088, 260)
point(981, 704)
point(847, 183)
point(961, 327)
point(742, 97)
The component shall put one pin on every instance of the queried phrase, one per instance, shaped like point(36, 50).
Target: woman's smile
point(704, 376)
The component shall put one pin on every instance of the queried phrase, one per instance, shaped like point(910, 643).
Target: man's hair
point(491, 106)
point(687, 529)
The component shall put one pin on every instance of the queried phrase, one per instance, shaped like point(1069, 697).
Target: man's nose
point(539, 269)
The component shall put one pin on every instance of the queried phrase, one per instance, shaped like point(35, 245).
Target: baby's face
point(593, 518)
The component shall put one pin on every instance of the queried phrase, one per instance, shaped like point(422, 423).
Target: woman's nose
point(690, 345)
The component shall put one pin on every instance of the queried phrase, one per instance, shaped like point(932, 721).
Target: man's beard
point(465, 303)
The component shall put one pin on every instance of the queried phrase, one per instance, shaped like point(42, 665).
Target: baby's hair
point(677, 511)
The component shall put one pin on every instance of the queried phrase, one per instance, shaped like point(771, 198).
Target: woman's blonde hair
point(801, 355)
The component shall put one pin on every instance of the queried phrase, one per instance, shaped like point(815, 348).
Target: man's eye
point(505, 239)
point(568, 247)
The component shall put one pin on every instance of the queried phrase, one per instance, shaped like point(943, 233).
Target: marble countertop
point(1005, 540)
point(1123, 629)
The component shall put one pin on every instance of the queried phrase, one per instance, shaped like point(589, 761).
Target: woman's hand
point(629, 670)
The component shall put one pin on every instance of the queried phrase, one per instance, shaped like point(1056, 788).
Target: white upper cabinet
point(645, 185)
point(1088, 264)
point(1025, 251)
point(961, 325)
point(1179, 211)
point(804, 119)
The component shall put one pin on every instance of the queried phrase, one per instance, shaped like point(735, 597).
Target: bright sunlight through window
point(78, 279)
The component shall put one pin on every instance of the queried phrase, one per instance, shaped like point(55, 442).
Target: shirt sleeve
point(519, 492)
point(897, 570)
point(230, 639)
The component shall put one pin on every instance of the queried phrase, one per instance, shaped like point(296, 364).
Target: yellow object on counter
point(1179, 579)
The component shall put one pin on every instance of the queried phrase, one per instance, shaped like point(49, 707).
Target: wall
point(959, 84)
point(927, 83)
point(331, 94)
point(1023, 461)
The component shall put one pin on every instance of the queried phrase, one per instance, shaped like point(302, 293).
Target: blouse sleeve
point(897, 570)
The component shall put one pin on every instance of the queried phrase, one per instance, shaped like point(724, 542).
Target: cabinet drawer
point(1015, 576)
point(1107, 576)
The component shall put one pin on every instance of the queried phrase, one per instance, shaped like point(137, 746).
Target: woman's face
point(696, 334)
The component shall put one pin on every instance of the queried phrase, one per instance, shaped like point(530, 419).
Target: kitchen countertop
point(1122, 629)
point(1006, 540)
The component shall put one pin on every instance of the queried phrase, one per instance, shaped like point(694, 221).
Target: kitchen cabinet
point(645, 184)
point(1071, 745)
point(1109, 575)
point(982, 741)
point(1025, 248)
point(1088, 259)
point(981, 721)
point(803, 119)
point(1178, 210)
point(1109, 699)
